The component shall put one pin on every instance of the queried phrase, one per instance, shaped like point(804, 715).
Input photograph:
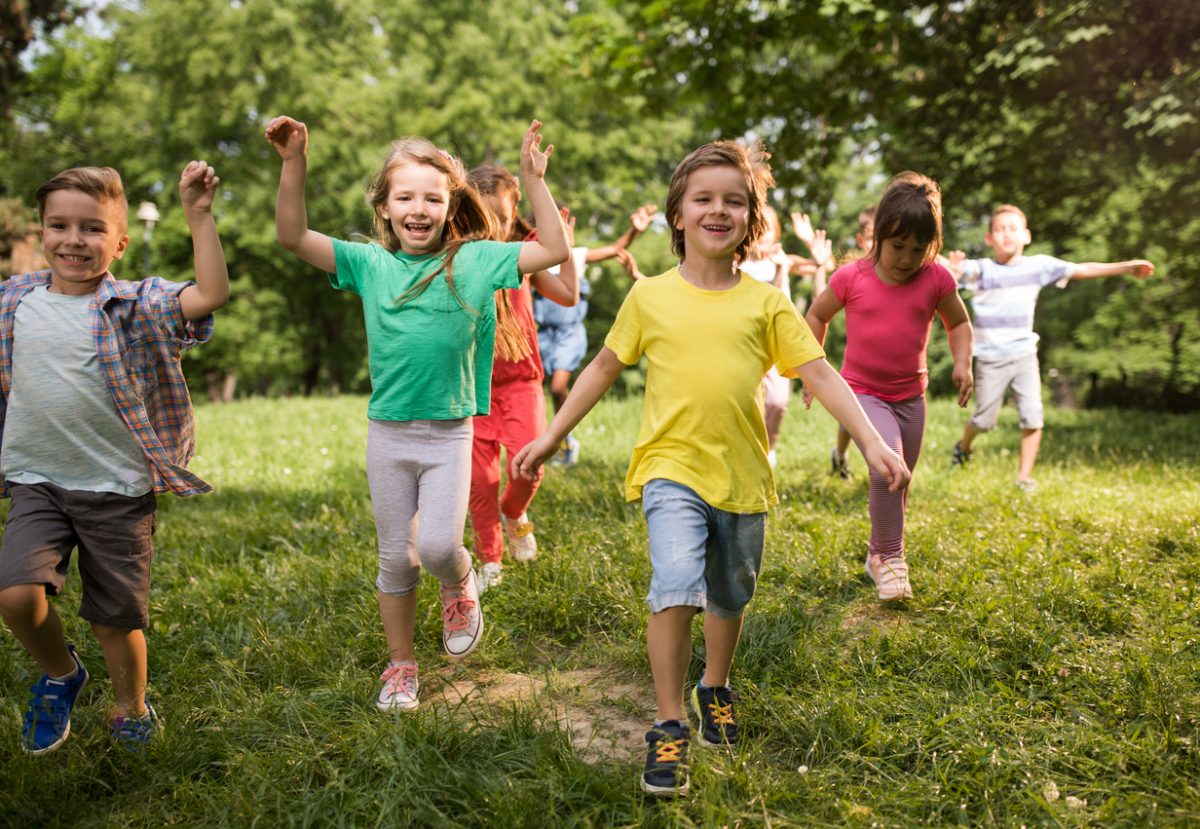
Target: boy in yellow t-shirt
point(709, 333)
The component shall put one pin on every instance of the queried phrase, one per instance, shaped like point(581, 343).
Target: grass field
point(1047, 672)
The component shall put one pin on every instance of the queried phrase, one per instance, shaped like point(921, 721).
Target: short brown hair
point(751, 162)
point(1007, 208)
point(101, 183)
point(911, 205)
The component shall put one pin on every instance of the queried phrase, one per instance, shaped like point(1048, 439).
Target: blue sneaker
point(134, 733)
point(714, 710)
point(666, 772)
point(48, 720)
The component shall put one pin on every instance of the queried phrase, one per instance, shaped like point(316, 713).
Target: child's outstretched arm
point(595, 380)
point(1093, 270)
point(290, 138)
point(639, 220)
point(829, 387)
point(197, 187)
point(562, 287)
point(961, 336)
point(550, 248)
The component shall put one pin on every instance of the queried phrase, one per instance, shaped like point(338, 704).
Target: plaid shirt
point(139, 332)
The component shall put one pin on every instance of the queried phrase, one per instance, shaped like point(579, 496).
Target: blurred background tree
point(1082, 112)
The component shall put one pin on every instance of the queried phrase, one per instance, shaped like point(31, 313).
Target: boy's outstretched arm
point(829, 387)
point(550, 248)
point(1140, 268)
point(197, 187)
point(961, 336)
point(562, 287)
point(595, 380)
point(290, 138)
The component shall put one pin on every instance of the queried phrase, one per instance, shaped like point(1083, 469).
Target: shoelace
point(669, 751)
point(400, 679)
point(721, 714)
point(455, 610)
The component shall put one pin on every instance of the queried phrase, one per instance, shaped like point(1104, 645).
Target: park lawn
point(1047, 671)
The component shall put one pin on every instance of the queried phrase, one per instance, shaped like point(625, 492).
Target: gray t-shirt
point(62, 426)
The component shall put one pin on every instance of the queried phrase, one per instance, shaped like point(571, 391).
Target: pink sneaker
point(891, 577)
point(399, 692)
point(522, 544)
point(462, 618)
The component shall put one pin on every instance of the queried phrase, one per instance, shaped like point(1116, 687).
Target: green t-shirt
point(430, 358)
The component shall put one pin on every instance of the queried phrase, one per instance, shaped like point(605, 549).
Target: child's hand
point(888, 464)
point(569, 224)
point(629, 264)
point(641, 218)
point(197, 187)
point(802, 226)
point(954, 262)
point(533, 160)
point(530, 459)
point(1142, 268)
point(821, 247)
point(776, 254)
point(288, 136)
point(964, 381)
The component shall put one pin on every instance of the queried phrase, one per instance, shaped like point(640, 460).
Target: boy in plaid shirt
point(95, 419)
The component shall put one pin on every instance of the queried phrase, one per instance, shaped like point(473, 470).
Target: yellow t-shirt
point(702, 421)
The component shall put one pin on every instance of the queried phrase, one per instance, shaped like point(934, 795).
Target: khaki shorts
point(993, 379)
point(114, 534)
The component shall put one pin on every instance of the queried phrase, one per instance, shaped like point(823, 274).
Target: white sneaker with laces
point(521, 541)
point(490, 575)
point(399, 692)
point(462, 617)
point(891, 577)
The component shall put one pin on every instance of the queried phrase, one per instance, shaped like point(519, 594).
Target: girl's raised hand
point(197, 186)
point(803, 228)
point(641, 218)
point(533, 160)
point(820, 247)
point(288, 136)
point(626, 260)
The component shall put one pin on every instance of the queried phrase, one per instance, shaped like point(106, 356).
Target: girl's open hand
point(288, 136)
point(533, 160)
point(821, 247)
point(197, 187)
point(803, 228)
point(568, 224)
point(641, 218)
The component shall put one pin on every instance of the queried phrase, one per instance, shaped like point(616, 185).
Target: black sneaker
point(960, 456)
point(838, 465)
point(714, 709)
point(666, 773)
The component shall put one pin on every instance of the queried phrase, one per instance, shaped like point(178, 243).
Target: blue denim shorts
point(700, 556)
point(562, 347)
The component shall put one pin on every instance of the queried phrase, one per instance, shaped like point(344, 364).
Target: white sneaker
point(521, 542)
point(891, 577)
point(462, 617)
point(490, 575)
point(399, 692)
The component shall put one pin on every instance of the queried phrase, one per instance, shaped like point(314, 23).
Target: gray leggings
point(419, 468)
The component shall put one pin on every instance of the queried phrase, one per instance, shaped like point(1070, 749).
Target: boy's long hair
point(492, 182)
point(752, 162)
point(101, 183)
point(911, 204)
point(467, 219)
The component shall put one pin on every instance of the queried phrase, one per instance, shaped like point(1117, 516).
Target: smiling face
point(416, 207)
point(714, 212)
point(81, 236)
point(1008, 236)
point(900, 257)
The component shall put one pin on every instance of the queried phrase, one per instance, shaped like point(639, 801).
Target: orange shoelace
point(721, 714)
point(669, 751)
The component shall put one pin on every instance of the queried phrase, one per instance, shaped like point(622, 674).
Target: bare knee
point(22, 601)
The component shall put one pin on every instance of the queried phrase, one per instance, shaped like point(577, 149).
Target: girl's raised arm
point(551, 247)
point(562, 287)
point(290, 138)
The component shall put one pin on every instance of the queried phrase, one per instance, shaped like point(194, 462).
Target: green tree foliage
point(1083, 112)
point(165, 81)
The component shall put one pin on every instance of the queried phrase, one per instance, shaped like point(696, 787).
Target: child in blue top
point(427, 289)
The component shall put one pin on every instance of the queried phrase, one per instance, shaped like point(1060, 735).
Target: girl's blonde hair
point(751, 162)
point(492, 181)
point(911, 205)
point(467, 218)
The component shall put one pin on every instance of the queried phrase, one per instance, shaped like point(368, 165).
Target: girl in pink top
point(890, 299)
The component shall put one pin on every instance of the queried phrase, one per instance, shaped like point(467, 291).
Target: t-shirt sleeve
point(158, 299)
point(352, 260)
point(945, 282)
point(1055, 270)
point(625, 337)
point(839, 283)
point(790, 340)
point(496, 259)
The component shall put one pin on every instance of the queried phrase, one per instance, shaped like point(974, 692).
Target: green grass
point(1052, 647)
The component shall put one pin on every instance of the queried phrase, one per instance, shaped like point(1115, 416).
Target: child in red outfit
point(518, 414)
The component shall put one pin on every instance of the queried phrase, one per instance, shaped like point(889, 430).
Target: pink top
point(887, 328)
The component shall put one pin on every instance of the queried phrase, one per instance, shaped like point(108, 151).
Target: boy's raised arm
point(595, 380)
point(290, 138)
point(197, 187)
point(550, 248)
